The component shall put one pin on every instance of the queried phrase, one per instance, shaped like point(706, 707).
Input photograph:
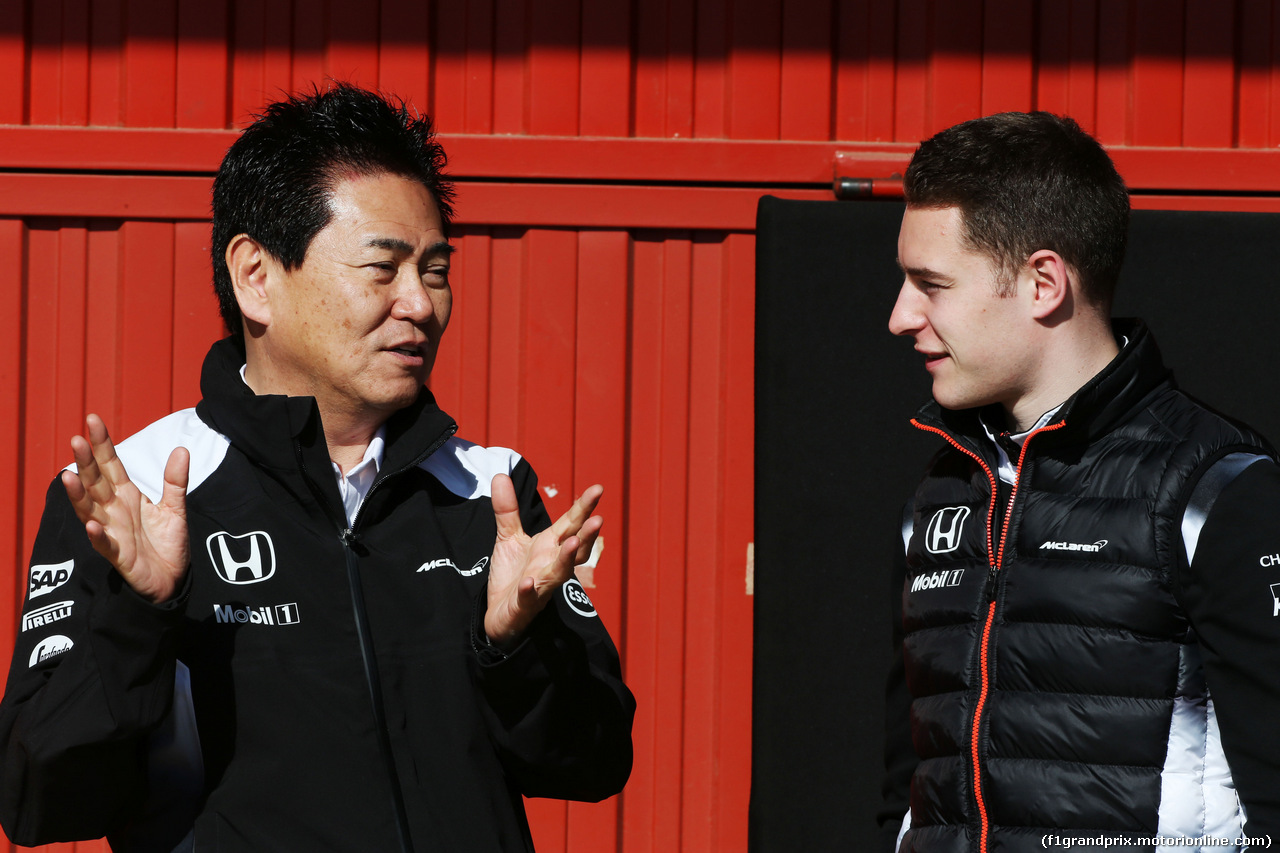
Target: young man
point(1086, 645)
point(305, 615)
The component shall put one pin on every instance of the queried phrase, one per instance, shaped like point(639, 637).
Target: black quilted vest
point(1043, 653)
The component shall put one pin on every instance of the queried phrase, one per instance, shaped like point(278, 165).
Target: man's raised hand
point(146, 542)
point(526, 571)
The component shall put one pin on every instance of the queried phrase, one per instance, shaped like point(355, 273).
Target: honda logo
point(943, 533)
point(239, 561)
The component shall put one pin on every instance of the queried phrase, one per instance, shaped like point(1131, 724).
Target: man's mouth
point(412, 347)
point(933, 359)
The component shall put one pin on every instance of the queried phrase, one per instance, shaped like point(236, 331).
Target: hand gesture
point(526, 571)
point(145, 541)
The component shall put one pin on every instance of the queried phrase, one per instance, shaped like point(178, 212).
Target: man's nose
point(412, 302)
point(906, 318)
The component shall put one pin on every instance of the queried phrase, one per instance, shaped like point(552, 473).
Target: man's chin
point(954, 400)
point(397, 397)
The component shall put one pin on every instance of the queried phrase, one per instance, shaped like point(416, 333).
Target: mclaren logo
point(1074, 546)
point(247, 558)
point(943, 534)
point(446, 563)
point(442, 563)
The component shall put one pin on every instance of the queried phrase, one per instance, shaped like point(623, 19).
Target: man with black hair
point(1086, 651)
point(305, 615)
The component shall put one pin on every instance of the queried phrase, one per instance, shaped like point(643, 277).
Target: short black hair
point(276, 180)
point(1025, 182)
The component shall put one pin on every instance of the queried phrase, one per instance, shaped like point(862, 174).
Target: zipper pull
point(990, 589)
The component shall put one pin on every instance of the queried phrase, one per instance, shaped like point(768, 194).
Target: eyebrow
point(395, 244)
point(925, 273)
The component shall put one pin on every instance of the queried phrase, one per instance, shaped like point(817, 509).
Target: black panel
point(836, 459)
point(1206, 283)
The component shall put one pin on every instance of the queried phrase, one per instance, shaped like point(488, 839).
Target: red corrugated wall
point(609, 157)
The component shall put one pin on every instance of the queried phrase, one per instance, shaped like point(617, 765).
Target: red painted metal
point(609, 157)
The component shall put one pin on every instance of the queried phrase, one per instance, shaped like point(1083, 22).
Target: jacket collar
point(1100, 404)
point(268, 428)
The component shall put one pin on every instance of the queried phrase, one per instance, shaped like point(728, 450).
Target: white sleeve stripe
point(908, 526)
point(146, 452)
point(467, 469)
point(1218, 477)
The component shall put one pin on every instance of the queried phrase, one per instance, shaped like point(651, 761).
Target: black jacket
point(1065, 673)
point(318, 686)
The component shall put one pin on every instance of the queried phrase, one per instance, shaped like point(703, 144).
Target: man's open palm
point(526, 571)
point(146, 542)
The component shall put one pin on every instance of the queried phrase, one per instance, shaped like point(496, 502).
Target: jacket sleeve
point(1231, 591)
point(92, 673)
point(557, 707)
point(899, 753)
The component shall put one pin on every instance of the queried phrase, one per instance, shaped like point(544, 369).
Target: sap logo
point(1074, 546)
point(438, 564)
point(943, 534)
point(268, 614)
point(46, 615)
point(238, 562)
point(476, 569)
point(576, 597)
point(937, 579)
point(47, 578)
point(49, 647)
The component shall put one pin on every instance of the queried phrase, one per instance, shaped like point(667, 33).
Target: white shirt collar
point(1009, 473)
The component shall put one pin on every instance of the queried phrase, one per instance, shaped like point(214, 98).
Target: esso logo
point(576, 597)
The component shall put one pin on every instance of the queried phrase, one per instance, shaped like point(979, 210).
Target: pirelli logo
point(46, 615)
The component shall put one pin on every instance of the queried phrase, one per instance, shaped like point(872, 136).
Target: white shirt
point(354, 485)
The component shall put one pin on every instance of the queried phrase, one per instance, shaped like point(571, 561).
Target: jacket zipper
point(348, 536)
point(995, 560)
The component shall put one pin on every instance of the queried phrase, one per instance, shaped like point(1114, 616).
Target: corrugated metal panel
point(1195, 73)
point(611, 156)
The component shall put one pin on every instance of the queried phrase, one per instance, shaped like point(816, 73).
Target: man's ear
point(249, 265)
point(1052, 282)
